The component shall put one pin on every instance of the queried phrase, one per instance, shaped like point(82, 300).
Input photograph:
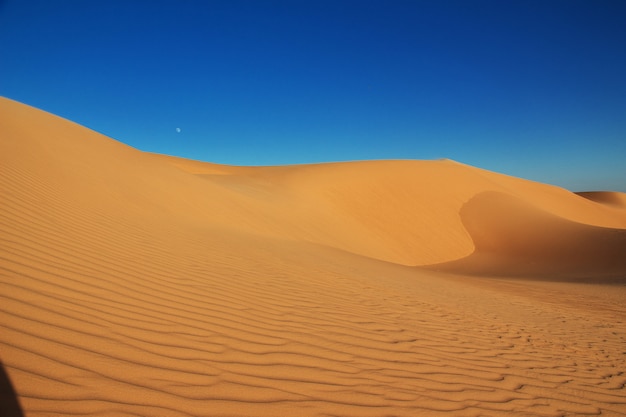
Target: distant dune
point(141, 284)
point(606, 197)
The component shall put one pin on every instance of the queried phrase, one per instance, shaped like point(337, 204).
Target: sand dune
point(618, 200)
point(513, 237)
point(140, 284)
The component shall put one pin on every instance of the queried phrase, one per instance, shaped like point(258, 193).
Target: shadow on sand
point(9, 404)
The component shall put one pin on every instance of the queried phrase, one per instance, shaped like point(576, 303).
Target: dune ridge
point(140, 284)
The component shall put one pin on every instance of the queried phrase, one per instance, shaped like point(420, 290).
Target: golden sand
point(147, 285)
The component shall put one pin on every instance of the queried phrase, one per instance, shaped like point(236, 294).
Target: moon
point(178, 130)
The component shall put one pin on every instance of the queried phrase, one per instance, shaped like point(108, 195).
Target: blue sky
point(535, 89)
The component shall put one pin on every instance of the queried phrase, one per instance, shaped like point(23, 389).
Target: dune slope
point(141, 284)
point(514, 238)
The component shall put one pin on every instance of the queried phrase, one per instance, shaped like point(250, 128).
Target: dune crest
point(140, 284)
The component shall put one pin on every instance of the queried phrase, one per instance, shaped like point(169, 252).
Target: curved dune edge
point(514, 238)
point(140, 284)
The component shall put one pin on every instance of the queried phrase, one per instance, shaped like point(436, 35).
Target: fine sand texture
point(136, 284)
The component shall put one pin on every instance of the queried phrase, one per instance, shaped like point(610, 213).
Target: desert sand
point(136, 284)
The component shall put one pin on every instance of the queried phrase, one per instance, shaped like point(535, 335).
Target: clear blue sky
point(535, 89)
